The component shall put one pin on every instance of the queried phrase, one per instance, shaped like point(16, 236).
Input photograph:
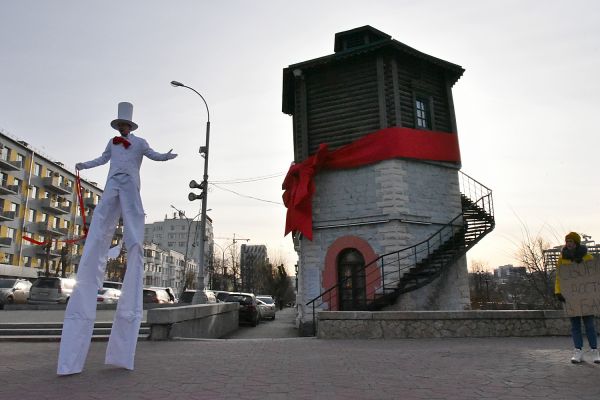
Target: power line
point(247, 180)
point(244, 195)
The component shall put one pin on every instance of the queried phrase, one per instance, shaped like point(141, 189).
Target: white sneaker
point(595, 356)
point(577, 356)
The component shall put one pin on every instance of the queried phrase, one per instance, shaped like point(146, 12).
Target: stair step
point(55, 338)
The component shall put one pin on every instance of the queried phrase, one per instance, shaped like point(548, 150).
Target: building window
point(44, 217)
point(31, 215)
point(21, 158)
point(422, 113)
point(34, 192)
point(49, 173)
point(10, 233)
point(14, 207)
point(37, 169)
point(27, 261)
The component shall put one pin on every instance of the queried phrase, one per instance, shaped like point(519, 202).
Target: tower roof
point(358, 42)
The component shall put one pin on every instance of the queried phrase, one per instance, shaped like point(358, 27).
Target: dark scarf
point(576, 254)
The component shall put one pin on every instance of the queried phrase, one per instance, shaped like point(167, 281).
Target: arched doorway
point(351, 276)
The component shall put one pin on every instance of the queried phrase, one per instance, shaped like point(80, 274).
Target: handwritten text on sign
point(580, 285)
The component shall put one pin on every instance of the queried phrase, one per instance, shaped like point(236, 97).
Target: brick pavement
point(310, 368)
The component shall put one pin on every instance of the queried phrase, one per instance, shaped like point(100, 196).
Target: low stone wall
point(440, 324)
point(193, 321)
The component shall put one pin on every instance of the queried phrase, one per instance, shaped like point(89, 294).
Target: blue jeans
point(590, 331)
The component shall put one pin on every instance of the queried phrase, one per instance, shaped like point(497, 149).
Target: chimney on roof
point(358, 37)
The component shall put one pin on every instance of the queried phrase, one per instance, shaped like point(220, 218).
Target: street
point(283, 326)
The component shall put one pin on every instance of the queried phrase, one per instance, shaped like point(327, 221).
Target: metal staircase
point(413, 267)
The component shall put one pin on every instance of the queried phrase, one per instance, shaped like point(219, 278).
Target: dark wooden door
point(351, 276)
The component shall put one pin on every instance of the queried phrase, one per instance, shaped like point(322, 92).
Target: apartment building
point(38, 200)
point(251, 258)
point(182, 235)
point(167, 268)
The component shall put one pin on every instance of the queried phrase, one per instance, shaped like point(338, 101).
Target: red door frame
point(330, 278)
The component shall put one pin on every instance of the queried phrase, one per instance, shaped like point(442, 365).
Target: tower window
point(422, 113)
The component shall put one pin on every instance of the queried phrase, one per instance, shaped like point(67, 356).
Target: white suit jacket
point(127, 161)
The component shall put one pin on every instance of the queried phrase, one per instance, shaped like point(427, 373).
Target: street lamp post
point(190, 222)
point(198, 298)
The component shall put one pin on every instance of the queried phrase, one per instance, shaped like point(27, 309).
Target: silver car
point(51, 290)
point(108, 296)
point(14, 291)
point(266, 304)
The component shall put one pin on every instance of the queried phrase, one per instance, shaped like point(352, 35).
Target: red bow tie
point(121, 140)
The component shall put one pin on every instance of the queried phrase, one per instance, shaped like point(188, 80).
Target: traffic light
point(195, 185)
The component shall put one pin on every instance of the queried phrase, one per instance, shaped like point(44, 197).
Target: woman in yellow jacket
point(575, 252)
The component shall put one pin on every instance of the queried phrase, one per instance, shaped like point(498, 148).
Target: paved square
point(310, 368)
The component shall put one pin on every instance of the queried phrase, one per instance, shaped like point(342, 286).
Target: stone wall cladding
point(441, 324)
point(377, 200)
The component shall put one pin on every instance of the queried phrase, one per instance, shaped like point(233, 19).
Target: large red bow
point(121, 140)
point(381, 145)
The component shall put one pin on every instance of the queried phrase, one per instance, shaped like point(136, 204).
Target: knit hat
point(574, 236)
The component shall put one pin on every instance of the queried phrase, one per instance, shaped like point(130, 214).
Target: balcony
point(40, 251)
point(52, 183)
point(9, 189)
point(6, 242)
point(47, 229)
point(88, 203)
point(7, 216)
point(10, 165)
point(54, 207)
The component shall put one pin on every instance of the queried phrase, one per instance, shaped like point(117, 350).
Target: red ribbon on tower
point(381, 145)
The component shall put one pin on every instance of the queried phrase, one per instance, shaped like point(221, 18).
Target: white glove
point(79, 166)
point(171, 155)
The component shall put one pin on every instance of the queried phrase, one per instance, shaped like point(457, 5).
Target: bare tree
point(540, 275)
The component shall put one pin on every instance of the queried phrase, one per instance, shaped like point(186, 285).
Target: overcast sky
point(525, 106)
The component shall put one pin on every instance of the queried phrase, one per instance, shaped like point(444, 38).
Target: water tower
point(381, 214)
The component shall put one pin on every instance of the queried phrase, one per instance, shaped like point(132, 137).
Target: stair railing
point(387, 270)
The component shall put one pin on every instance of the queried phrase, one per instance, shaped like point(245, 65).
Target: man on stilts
point(121, 198)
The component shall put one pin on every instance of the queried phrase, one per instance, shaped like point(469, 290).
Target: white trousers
point(121, 197)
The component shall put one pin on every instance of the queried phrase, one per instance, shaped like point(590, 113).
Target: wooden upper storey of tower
point(371, 82)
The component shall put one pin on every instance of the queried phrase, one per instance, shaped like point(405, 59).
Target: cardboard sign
point(580, 286)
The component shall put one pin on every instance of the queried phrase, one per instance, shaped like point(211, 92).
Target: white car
point(14, 291)
point(108, 296)
point(266, 304)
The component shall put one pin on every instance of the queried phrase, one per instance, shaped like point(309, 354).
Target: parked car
point(172, 294)
point(14, 291)
point(51, 290)
point(157, 295)
point(221, 295)
point(108, 296)
point(266, 304)
point(248, 311)
point(188, 295)
point(114, 285)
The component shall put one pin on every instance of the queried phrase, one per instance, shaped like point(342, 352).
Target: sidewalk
point(310, 368)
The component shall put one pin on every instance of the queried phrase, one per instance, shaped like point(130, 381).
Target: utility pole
point(234, 241)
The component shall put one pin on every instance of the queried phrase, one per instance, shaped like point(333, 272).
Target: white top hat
point(124, 116)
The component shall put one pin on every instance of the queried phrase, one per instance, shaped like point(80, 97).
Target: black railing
point(413, 267)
